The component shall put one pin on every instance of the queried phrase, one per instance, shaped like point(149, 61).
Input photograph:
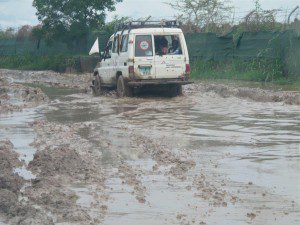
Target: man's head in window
point(161, 45)
point(176, 48)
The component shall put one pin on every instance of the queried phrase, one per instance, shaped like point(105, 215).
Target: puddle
point(163, 201)
point(26, 174)
point(15, 127)
point(54, 92)
point(212, 132)
point(283, 181)
point(248, 149)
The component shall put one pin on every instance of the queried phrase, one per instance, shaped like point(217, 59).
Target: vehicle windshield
point(167, 45)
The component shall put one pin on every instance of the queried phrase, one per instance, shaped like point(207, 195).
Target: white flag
point(95, 48)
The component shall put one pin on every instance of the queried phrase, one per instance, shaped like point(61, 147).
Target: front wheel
point(123, 90)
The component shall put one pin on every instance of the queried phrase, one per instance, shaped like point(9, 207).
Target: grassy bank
point(58, 63)
point(252, 70)
point(264, 71)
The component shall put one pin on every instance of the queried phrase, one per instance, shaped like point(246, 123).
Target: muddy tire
point(97, 89)
point(175, 90)
point(123, 90)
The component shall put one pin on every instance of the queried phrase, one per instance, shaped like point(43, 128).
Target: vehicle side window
point(124, 43)
point(116, 43)
point(167, 45)
point(108, 50)
point(143, 46)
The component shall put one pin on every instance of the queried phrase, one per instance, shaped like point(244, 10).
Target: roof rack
point(148, 24)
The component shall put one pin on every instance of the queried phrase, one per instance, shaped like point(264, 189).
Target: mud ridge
point(163, 155)
point(13, 207)
point(16, 97)
point(256, 94)
point(216, 196)
point(67, 80)
point(63, 161)
point(130, 177)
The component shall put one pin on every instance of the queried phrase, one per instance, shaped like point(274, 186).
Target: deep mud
point(16, 97)
point(50, 78)
point(8, 161)
point(256, 94)
point(14, 209)
point(217, 155)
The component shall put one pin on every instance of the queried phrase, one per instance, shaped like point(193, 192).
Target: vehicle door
point(169, 56)
point(114, 59)
point(106, 63)
point(122, 62)
point(144, 57)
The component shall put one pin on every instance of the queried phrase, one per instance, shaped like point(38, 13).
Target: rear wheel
point(175, 90)
point(123, 90)
point(97, 89)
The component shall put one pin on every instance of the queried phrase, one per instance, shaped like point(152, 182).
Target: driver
point(175, 49)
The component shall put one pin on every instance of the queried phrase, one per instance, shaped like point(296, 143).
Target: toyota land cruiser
point(144, 54)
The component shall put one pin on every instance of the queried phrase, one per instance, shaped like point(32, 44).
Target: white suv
point(144, 54)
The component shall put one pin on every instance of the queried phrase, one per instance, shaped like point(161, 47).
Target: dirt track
point(207, 157)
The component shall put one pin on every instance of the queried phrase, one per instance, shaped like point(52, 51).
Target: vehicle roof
point(156, 30)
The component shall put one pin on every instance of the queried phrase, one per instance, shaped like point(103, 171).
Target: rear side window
point(167, 45)
point(124, 43)
point(143, 46)
point(115, 45)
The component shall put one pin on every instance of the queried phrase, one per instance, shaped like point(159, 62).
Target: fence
point(283, 46)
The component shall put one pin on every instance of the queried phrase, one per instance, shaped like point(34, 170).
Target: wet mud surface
point(16, 97)
point(256, 94)
point(207, 157)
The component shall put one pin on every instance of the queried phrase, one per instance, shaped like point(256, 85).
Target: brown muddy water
point(194, 159)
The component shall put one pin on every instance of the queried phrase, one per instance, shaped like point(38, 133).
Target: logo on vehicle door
point(144, 45)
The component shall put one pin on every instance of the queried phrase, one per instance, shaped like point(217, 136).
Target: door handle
point(144, 65)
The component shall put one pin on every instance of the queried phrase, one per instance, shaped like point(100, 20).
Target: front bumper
point(140, 83)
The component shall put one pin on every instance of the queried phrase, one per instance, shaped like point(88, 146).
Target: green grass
point(261, 71)
point(57, 63)
point(268, 72)
point(252, 70)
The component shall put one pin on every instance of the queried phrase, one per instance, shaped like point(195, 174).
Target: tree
point(9, 33)
point(110, 27)
point(37, 35)
point(204, 13)
point(24, 32)
point(107, 30)
point(71, 20)
point(259, 19)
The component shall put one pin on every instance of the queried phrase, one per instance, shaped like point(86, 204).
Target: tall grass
point(57, 63)
point(250, 70)
point(259, 70)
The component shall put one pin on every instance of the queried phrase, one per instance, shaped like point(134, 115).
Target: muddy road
point(216, 155)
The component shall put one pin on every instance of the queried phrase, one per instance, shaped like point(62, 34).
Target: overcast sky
point(14, 13)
